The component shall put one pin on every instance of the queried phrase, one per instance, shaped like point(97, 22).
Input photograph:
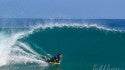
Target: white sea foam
point(75, 25)
point(11, 52)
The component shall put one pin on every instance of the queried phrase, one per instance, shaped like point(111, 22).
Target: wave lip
point(75, 25)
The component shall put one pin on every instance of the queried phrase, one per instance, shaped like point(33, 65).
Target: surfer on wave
point(55, 59)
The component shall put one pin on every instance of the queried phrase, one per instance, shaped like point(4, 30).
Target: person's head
point(60, 55)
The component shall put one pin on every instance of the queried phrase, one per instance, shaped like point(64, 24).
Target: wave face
point(83, 43)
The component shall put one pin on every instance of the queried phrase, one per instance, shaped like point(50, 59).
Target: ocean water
point(86, 44)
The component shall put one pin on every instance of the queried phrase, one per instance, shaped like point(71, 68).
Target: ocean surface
point(86, 44)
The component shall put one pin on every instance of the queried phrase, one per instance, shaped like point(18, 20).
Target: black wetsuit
point(54, 59)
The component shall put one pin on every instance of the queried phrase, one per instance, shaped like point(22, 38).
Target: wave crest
point(75, 25)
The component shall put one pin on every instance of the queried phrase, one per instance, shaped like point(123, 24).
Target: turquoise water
point(83, 46)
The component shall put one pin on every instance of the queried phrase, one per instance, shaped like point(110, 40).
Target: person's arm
point(57, 60)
